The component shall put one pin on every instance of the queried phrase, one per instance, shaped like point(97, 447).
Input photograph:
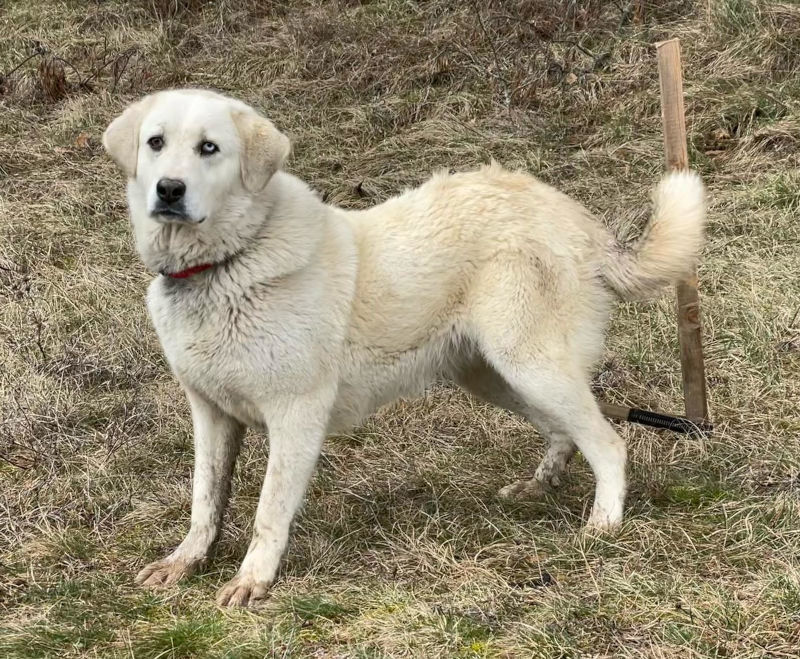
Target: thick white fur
point(314, 316)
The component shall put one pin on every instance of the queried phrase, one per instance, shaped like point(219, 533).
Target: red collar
point(183, 274)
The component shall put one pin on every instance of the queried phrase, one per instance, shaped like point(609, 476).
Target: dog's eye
point(207, 148)
point(156, 143)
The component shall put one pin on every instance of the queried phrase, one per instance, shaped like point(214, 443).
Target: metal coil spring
point(674, 423)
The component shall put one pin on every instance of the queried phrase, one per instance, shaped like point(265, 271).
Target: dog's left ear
point(121, 138)
point(264, 149)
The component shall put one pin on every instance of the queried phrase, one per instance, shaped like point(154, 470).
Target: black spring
point(674, 423)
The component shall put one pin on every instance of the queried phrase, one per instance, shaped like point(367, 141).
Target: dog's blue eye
point(156, 143)
point(207, 148)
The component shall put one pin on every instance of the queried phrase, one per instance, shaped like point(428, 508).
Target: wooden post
point(677, 157)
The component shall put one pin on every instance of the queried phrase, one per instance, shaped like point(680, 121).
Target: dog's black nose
point(170, 190)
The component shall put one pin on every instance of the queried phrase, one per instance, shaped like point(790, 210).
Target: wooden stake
point(677, 157)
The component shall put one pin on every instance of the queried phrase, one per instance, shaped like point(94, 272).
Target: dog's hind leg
point(563, 402)
point(484, 382)
point(548, 474)
point(539, 323)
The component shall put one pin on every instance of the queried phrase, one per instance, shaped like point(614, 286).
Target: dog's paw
point(601, 523)
point(242, 591)
point(524, 489)
point(166, 572)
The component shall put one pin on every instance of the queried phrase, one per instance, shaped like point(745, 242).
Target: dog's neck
point(285, 241)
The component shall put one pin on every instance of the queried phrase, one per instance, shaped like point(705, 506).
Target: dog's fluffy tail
point(670, 245)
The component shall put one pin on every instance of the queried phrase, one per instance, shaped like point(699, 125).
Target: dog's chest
point(232, 353)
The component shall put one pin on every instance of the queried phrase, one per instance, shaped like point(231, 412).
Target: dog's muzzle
point(170, 206)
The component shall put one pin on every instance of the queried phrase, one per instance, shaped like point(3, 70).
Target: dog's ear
point(264, 149)
point(121, 138)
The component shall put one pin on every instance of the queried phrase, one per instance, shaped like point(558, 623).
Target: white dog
point(277, 310)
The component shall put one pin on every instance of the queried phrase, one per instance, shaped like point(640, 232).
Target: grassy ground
point(403, 548)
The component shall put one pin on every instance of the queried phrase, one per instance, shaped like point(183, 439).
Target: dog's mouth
point(164, 213)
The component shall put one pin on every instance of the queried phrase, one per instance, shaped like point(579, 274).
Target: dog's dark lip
point(169, 212)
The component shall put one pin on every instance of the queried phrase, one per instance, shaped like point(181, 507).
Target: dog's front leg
point(296, 430)
point(217, 438)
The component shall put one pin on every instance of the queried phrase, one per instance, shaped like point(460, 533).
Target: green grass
point(403, 548)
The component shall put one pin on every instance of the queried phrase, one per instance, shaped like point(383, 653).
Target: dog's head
point(197, 164)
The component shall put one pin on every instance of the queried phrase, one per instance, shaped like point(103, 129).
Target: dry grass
point(402, 549)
